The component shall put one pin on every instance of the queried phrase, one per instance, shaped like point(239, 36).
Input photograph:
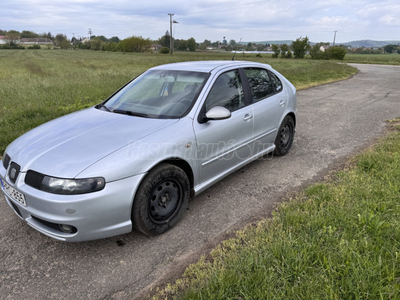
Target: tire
point(285, 136)
point(161, 200)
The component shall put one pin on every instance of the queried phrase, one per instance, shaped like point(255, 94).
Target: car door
point(224, 144)
point(269, 104)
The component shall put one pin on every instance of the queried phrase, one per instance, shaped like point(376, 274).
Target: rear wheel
point(161, 200)
point(285, 136)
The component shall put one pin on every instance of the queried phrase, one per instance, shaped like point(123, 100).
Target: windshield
point(159, 94)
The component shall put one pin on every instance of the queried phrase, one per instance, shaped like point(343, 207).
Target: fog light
point(67, 228)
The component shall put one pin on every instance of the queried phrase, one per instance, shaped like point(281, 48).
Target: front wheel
point(161, 200)
point(285, 136)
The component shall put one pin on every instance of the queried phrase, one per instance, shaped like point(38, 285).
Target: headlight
point(71, 186)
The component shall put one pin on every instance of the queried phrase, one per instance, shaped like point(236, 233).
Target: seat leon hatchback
point(134, 160)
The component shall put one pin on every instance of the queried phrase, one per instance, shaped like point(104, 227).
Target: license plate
point(13, 193)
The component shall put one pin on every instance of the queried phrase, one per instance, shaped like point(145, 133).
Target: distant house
point(155, 47)
point(323, 48)
point(36, 41)
point(3, 39)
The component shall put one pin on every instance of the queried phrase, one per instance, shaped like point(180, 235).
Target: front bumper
point(95, 215)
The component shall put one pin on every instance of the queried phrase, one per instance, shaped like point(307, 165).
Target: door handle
point(282, 103)
point(247, 117)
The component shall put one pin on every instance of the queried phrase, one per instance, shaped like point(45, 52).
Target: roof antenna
point(233, 58)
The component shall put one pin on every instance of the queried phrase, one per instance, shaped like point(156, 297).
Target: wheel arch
point(184, 166)
point(292, 114)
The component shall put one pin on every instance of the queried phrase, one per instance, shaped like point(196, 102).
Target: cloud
point(209, 19)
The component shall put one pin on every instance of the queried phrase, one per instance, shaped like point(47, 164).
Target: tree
point(47, 35)
point(114, 39)
point(232, 43)
point(205, 44)
point(315, 52)
point(102, 38)
point(181, 45)
point(284, 49)
point(260, 47)
point(249, 47)
point(165, 39)
point(390, 48)
point(300, 47)
point(192, 45)
point(29, 34)
point(216, 44)
point(276, 49)
point(96, 43)
point(13, 38)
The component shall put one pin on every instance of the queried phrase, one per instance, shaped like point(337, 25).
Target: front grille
point(6, 161)
point(34, 179)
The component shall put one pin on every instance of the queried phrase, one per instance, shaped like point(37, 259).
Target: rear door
point(269, 104)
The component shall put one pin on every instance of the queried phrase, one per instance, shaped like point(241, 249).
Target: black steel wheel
point(285, 136)
point(161, 200)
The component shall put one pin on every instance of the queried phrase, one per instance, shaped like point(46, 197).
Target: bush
point(315, 52)
point(34, 47)
point(164, 50)
point(300, 47)
point(135, 44)
point(337, 53)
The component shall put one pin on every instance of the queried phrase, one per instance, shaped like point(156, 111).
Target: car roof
point(207, 66)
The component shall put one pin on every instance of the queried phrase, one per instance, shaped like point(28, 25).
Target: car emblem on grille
point(12, 173)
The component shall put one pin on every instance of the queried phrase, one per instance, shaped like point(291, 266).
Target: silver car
point(134, 160)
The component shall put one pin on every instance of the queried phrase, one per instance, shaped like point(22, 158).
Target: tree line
point(130, 44)
point(301, 46)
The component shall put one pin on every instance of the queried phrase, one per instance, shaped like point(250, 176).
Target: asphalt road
point(334, 121)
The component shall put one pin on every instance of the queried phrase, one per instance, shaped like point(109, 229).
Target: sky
point(249, 20)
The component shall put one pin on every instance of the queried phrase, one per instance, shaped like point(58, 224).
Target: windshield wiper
point(130, 113)
point(102, 106)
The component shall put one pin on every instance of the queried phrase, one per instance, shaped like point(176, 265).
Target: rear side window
point(227, 92)
point(277, 83)
point(260, 83)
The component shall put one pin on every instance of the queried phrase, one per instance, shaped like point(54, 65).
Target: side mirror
point(217, 113)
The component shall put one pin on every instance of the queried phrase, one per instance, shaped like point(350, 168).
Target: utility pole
point(334, 38)
point(90, 33)
point(170, 34)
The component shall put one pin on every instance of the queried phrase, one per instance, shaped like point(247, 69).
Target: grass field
point(381, 59)
point(39, 85)
point(336, 240)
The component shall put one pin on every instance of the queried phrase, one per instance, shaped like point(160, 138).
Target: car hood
point(66, 146)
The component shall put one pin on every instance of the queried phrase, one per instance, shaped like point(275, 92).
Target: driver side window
point(227, 92)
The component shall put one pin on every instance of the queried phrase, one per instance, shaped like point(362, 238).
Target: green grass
point(336, 240)
point(39, 85)
point(381, 59)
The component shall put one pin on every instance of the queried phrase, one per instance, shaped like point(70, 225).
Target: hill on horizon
point(354, 44)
